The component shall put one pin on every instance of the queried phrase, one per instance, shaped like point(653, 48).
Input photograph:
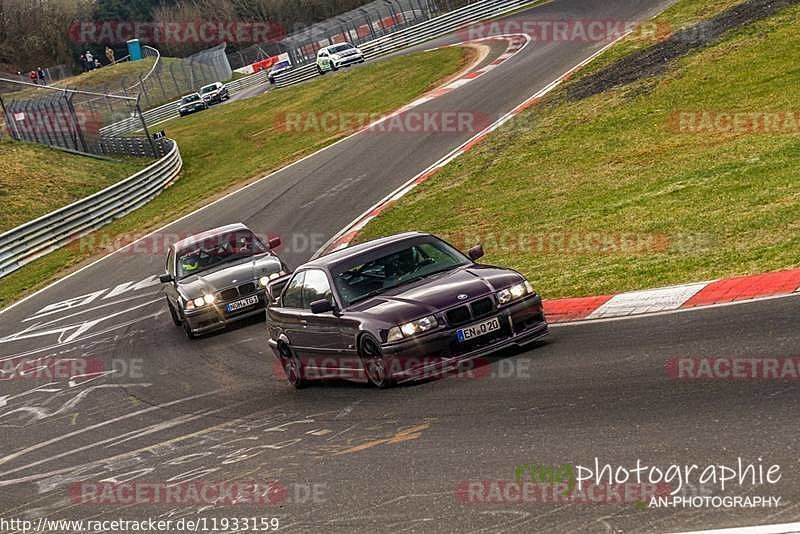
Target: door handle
point(304, 323)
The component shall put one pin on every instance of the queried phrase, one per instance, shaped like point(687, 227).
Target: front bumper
point(522, 323)
point(349, 60)
point(214, 317)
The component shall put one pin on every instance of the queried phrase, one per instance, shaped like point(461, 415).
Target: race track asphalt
point(213, 409)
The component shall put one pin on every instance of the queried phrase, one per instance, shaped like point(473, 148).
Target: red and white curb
point(672, 298)
point(516, 42)
point(599, 307)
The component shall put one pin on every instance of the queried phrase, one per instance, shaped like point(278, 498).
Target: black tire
point(292, 367)
point(334, 68)
point(319, 69)
point(188, 330)
point(175, 317)
point(374, 363)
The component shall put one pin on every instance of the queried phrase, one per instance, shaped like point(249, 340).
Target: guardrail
point(410, 36)
point(36, 238)
point(414, 35)
point(170, 110)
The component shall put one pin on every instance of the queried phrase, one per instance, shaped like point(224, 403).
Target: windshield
point(213, 251)
point(208, 88)
point(280, 65)
point(415, 261)
point(340, 48)
point(190, 98)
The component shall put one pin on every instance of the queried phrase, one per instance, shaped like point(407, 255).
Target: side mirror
point(274, 242)
point(166, 278)
point(475, 252)
point(321, 306)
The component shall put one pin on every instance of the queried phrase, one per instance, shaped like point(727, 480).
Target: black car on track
point(219, 276)
point(391, 309)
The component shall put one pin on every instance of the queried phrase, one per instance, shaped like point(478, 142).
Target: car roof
point(331, 259)
point(193, 239)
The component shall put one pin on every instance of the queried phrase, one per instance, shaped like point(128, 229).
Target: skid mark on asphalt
point(407, 434)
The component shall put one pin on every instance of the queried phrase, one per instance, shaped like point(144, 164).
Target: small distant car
point(217, 277)
point(277, 68)
point(391, 309)
point(191, 103)
point(214, 93)
point(339, 55)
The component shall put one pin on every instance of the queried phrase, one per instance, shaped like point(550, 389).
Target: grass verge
point(227, 146)
point(604, 194)
point(36, 180)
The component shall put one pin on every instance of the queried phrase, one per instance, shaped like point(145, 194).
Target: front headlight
point(413, 328)
point(504, 296)
point(265, 280)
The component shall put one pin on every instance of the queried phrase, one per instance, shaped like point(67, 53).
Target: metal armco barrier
point(36, 238)
point(387, 44)
point(416, 34)
point(170, 110)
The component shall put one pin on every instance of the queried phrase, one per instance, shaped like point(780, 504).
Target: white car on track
point(339, 55)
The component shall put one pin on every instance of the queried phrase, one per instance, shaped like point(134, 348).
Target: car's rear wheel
point(375, 367)
point(172, 313)
point(292, 367)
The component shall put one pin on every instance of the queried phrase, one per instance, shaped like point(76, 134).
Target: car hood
point(437, 293)
point(229, 274)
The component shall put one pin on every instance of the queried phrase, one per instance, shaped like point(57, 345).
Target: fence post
point(144, 127)
point(75, 121)
point(7, 118)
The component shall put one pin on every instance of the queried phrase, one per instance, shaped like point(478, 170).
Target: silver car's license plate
point(244, 303)
point(476, 330)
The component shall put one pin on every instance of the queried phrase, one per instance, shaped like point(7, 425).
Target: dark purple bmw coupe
point(389, 310)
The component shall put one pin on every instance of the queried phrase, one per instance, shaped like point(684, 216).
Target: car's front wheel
point(187, 328)
point(320, 71)
point(172, 313)
point(375, 367)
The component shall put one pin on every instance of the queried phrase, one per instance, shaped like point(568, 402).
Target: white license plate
point(244, 303)
point(476, 330)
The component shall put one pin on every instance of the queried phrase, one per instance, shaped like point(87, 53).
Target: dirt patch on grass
point(655, 59)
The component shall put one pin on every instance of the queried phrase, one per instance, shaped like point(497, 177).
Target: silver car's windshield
point(211, 252)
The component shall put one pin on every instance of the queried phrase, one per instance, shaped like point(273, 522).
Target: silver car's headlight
point(504, 296)
point(265, 280)
point(413, 328)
